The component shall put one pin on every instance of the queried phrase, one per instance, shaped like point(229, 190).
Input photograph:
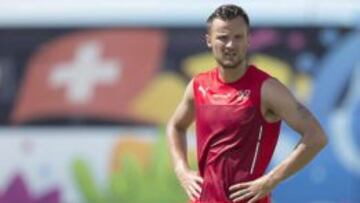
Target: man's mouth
point(230, 54)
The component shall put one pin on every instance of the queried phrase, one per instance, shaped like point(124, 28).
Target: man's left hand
point(252, 190)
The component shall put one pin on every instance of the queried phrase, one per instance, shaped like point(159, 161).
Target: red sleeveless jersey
point(234, 142)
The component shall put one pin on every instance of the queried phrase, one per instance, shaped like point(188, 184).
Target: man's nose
point(229, 44)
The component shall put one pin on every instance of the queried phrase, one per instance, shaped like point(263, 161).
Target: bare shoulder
point(273, 92)
point(184, 113)
point(189, 91)
point(273, 84)
point(279, 100)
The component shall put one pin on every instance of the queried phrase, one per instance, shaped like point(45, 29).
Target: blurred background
point(87, 86)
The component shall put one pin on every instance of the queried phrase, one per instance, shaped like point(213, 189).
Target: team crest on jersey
point(236, 97)
point(243, 96)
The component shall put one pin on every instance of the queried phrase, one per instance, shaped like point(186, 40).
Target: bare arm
point(176, 134)
point(177, 127)
point(279, 103)
point(282, 103)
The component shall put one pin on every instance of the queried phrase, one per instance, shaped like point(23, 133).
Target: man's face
point(229, 41)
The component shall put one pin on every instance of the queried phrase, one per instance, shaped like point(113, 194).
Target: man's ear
point(208, 40)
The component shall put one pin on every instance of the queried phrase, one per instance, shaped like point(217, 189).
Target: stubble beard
point(234, 65)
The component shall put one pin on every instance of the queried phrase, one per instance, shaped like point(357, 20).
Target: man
point(237, 109)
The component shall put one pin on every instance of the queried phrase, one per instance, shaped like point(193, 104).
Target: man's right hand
point(191, 182)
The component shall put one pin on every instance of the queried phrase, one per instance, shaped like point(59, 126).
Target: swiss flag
point(91, 74)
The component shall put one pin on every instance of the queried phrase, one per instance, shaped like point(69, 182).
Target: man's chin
point(229, 65)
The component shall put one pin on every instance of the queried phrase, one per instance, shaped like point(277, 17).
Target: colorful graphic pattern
point(143, 75)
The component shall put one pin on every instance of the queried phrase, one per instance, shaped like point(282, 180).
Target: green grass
point(134, 184)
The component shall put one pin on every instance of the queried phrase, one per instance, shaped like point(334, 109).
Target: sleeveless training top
point(234, 142)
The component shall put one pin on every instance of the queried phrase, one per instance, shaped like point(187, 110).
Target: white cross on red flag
point(91, 74)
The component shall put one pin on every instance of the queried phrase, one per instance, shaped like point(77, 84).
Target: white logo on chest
point(203, 90)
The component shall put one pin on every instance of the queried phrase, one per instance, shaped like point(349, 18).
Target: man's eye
point(222, 38)
point(239, 36)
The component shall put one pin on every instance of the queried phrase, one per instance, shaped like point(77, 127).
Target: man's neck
point(229, 75)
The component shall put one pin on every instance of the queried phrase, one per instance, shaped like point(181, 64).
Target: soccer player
point(237, 110)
